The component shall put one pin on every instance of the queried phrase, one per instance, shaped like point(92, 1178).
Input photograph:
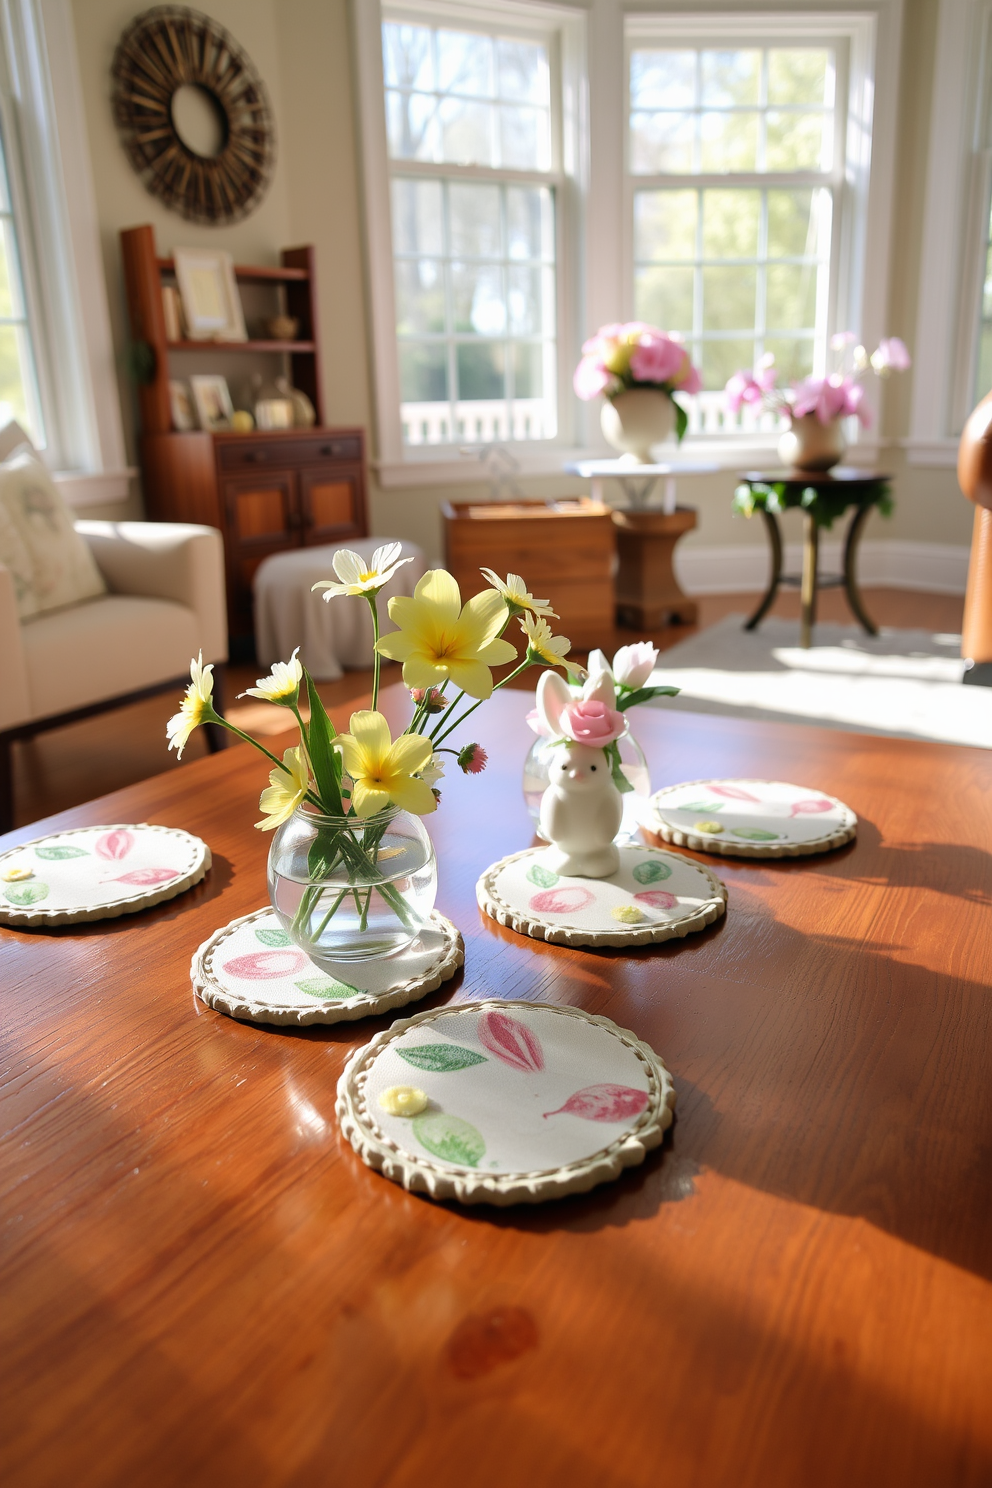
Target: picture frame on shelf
point(213, 401)
point(181, 406)
point(209, 291)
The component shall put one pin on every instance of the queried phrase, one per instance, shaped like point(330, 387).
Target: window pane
point(477, 299)
point(411, 126)
point(791, 297)
point(466, 132)
point(475, 229)
point(731, 220)
point(419, 296)
point(406, 56)
point(417, 217)
point(792, 224)
point(719, 360)
point(524, 138)
point(480, 370)
point(798, 141)
point(729, 142)
point(793, 357)
point(663, 297)
point(984, 380)
point(730, 78)
point(665, 225)
point(729, 299)
point(526, 302)
point(522, 72)
point(529, 223)
point(528, 371)
point(465, 64)
point(796, 75)
point(662, 79)
point(423, 372)
point(11, 306)
point(16, 377)
point(661, 143)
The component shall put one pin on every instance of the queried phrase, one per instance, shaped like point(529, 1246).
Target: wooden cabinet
point(266, 491)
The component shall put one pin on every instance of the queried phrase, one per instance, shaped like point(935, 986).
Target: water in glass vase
point(349, 889)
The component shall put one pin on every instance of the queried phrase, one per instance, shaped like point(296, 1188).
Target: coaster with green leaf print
point(516, 1102)
point(653, 896)
point(252, 970)
point(97, 873)
point(750, 818)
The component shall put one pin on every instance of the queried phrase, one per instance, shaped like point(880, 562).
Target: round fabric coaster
point(509, 1102)
point(97, 873)
point(251, 969)
point(750, 818)
point(653, 896)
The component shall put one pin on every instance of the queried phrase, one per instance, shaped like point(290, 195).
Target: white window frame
point(861, 178)
point(52, 190)
point(562, 30)
point(595, 280)
point(955, 233)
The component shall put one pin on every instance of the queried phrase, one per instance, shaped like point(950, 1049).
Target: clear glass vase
point(632, 763)
point(350, 888)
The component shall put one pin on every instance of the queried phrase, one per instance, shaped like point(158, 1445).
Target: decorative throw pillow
point(51, 564)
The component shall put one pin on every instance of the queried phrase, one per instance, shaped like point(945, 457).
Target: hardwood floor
point(71, 765)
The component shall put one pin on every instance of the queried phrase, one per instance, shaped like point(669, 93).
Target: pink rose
point(690, 381)
point(591, 722)
point(591, 378)
point(656, 359)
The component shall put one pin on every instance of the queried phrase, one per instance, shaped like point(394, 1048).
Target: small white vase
point(812, 445)
point(636, 420)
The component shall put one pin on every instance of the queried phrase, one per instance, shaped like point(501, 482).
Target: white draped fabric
point(333, 635)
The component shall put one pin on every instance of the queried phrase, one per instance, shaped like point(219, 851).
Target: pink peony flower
point(591, 378)
point(829, 398)
point(656, 359)
point(690, 381)
point(591, 722)
point(891, 356)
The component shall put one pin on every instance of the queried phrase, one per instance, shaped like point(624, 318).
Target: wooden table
point(203, 1285)
point(822, 496)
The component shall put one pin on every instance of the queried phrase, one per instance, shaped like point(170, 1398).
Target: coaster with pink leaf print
point(514, 1102)
point(750, 818)
point(97, 873)
point(654, 896)
point(251, 969)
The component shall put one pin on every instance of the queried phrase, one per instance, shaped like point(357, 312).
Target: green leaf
point(320, 734)
point(543, 877)
point(681, 420)
point(755, 834)
point(653, 871)
point(24, 894)
point(701, 806)
point(329, 991)
point(620, 780)
point(56, 854)
point(441, 1059)
point(450, 1137)
point(273, 937)
point(644, 695)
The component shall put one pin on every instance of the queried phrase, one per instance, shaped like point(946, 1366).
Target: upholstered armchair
point(165, 604)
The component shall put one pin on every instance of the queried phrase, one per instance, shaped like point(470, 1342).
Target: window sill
point(932, 454)
point(101, 488)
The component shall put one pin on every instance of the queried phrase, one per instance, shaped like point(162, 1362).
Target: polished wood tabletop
point(203, 1285)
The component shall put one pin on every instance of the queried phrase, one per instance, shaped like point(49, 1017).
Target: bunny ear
point(597, 663)
point(553, 697)
point(601, 689)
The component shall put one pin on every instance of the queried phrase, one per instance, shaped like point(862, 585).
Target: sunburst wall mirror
point(194, 115)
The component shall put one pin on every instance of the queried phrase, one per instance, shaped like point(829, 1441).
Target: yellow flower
point(281, 686)
point(196, 707)
point(356, 578)
point(543, 646)
point(384, 773)
point(287, 786)
point(438, 638)
point(516, 595)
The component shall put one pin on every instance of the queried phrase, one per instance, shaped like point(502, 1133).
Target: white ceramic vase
point(812, 445)
point(636, 420)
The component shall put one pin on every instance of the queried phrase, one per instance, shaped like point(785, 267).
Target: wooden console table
point(203, 1284)
point(822, 496)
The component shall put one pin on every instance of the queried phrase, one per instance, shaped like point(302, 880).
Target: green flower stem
point(376, 658)
point(439, 738)
point(330, 913)
point(215, 717)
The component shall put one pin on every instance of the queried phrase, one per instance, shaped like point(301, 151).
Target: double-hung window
point(472, 144)
point(739, 177)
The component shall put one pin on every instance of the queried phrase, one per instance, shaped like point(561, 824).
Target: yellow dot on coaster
point(627, 914)
point(403, 1100)
point(710, 828)
point(16, 875)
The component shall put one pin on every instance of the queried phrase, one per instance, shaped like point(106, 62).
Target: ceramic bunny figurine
point(581, 808)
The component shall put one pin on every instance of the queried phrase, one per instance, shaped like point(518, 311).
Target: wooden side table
point(822, 496)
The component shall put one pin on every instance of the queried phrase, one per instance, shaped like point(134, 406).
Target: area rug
point(902, 683)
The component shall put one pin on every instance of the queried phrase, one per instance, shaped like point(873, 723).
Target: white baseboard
point(933, 568)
